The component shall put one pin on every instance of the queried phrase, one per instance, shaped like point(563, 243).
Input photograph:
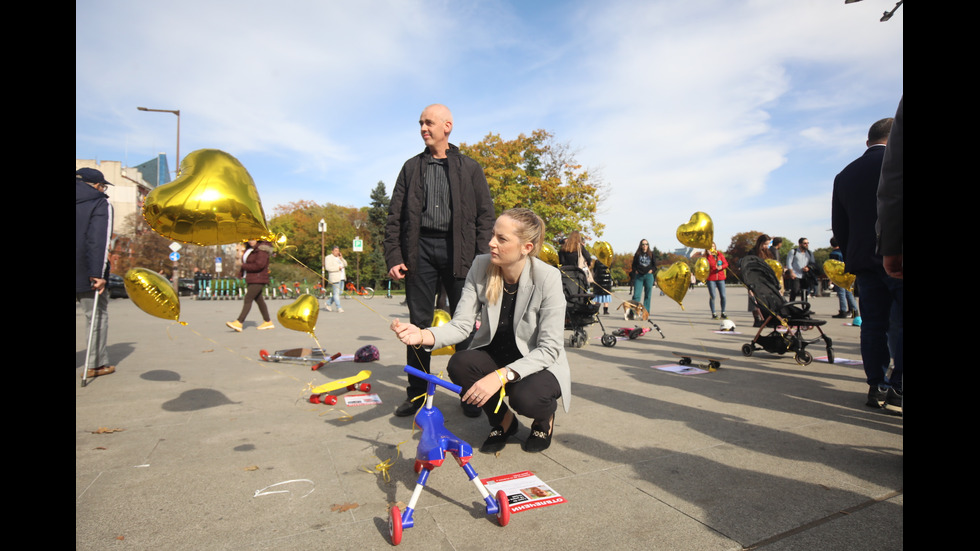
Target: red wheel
point(264, 354)
point(329, 400)
point(395, 525)
point(418, 466)
point(365, 387)
point(503, 515)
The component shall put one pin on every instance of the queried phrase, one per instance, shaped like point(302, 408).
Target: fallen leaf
point(206, 351)
point(344, 507)
point(104, 430)
point(100, 448)
point(120, 538)
point(252, 468)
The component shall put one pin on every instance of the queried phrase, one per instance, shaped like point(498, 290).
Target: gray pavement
point(194, 443)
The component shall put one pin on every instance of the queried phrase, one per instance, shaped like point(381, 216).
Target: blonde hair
point(530, 229)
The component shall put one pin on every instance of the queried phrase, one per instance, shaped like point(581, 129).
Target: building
point(130, 187)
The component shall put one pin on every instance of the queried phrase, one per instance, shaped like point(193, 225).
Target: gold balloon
point(152, 293)
point(301, 314)
point(701, 269)
point(604, 252)
point(442, 317)
point(777, 269)
point(835, 272)
point(280, 242)
point(548, 254)
point(699, 232)
point(674, 281)
point(213, 202)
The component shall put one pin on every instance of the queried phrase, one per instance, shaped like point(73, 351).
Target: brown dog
point(635, 308)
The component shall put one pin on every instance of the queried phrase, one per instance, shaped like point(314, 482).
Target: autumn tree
point(377, 217)
point(538, 173)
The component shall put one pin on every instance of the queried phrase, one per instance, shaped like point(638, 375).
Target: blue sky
point(745, 110)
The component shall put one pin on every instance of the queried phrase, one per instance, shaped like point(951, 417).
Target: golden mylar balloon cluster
point(674, 281)
point(442, 317)
point(152, 293)
point(548, 254)
point(835, 272)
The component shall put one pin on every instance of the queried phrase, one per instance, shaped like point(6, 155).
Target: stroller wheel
point(747, 349)
point(803, 357)
point(830, 355)
point(608, 341)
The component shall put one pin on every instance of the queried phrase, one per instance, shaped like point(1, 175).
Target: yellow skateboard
point(321, 394)
point(713, 362)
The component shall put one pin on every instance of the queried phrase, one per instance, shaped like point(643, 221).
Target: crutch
point(91, 333)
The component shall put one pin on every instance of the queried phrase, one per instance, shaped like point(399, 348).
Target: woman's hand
point(483, 390)
point(407, 333)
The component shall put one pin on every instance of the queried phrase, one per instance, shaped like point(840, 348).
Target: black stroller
point(580, 308)
point(761, 281)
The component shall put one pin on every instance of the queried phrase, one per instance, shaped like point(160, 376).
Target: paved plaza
point(196, 443)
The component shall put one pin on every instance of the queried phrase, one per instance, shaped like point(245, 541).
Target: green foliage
point(537, 173)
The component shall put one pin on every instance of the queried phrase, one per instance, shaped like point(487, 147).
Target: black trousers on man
point(434, 271)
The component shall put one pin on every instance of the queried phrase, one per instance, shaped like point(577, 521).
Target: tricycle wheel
point(503, 508)
point(395, 525)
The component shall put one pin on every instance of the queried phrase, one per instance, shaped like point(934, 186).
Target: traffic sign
point(175, 256)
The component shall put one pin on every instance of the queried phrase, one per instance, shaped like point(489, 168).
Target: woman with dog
point(644, 266)
point(518, 350)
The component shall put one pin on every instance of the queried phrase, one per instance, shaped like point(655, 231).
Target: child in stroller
point(762, 283)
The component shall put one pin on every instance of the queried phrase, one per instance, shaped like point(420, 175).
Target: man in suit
point(440, 217)
point(854, 215)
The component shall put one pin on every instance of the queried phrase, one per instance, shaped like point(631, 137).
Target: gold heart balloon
point(442, 317)
point(835, 272)
point(213, 202)
point(301, 314)
point(674, 281)
point(548, 254)
point(702, 269)
point(699, 232)
point(152, 293)
point(604, 252)
point(777, 269)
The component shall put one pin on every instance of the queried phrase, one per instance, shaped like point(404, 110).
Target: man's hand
point(97, 283)
point(398, 272)
point(893, 265)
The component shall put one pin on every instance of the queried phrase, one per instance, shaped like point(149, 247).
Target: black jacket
point(855, 210)
point(473, 214)
point(93, 232)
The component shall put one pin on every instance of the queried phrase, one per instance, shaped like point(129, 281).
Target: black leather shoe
point(408, 408)
point(471, 410)
point(498, 437)
point(539, 440)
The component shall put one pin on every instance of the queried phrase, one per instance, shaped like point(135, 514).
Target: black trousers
point(535, 396)
point(253, 292)
point(434, 271)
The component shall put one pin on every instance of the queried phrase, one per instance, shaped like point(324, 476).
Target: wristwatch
point(511, 376)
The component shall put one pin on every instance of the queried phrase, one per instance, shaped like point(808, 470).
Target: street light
point(322, 228)
point(175, 112)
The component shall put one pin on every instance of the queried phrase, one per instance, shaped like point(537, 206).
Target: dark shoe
point(408, 407)
point(471, 410)
point(842, 314)
point(498, 437)
point(724, 316)
point(853, 313)
point(893, 402)
point(714, 316)
point(539, 440)
point(876, 397)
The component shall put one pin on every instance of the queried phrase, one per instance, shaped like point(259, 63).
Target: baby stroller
point(580, 309)
point(794, 316)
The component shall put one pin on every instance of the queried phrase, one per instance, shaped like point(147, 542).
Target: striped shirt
point(437, 211)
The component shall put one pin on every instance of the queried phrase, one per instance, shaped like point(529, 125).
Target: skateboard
point(321, 394)
point(686, 359)
point(300, 355)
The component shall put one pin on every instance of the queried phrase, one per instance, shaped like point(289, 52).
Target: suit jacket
point(891, 239)
point(539, 320)
point(855, 210)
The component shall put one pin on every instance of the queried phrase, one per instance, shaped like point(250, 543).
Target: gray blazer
point(539, 320)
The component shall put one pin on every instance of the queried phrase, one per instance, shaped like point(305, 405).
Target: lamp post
point(175, 112)
point(357, 248)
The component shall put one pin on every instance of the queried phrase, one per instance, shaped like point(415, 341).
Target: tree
point(377, 216)
point(537, 173)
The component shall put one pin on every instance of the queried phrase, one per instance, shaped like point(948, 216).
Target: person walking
point(336, 266)
point(255, 269)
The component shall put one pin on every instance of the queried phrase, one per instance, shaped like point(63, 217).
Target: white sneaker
point(339, 309)
point(329, 309)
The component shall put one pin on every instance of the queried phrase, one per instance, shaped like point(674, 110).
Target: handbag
point(585, 267)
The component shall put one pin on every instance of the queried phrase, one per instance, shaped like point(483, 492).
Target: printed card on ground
point(524, 491)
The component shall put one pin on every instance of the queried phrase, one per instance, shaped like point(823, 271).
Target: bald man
point(440, 217)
